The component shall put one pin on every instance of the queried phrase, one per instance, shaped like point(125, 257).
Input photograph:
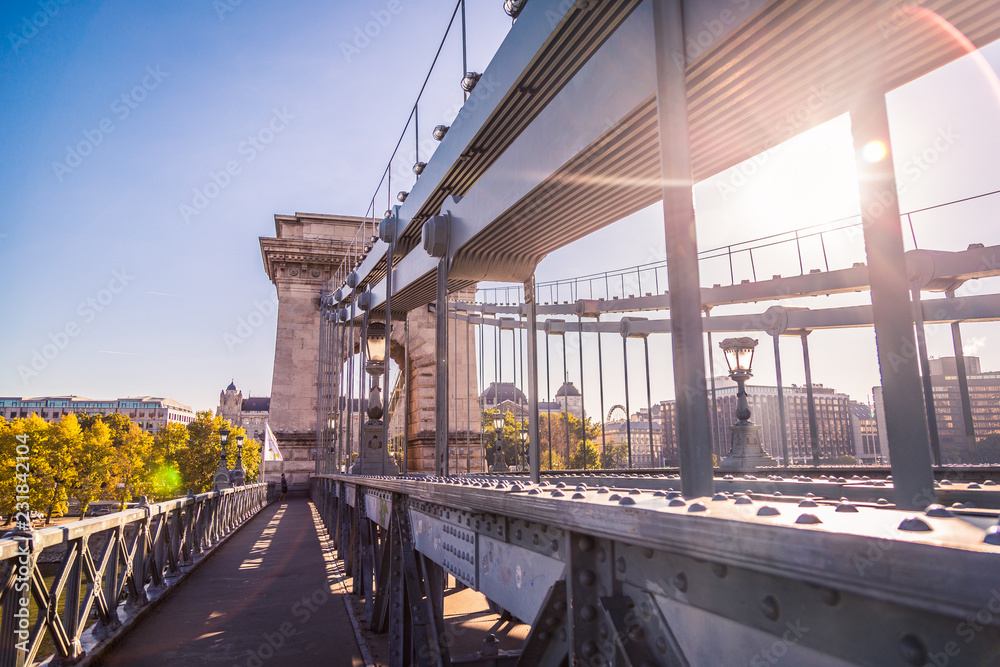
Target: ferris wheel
point(617, 414)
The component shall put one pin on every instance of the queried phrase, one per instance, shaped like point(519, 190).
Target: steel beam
point(694, 436)
point(905, 417)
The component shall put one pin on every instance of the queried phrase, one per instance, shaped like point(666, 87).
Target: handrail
point(126, 559)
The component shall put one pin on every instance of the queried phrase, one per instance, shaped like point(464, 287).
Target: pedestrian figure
point(284, 487)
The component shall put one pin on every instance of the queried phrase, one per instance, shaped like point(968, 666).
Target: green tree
point(615, 456)
point(585, 456)
point(510, 438)
point(562, 422)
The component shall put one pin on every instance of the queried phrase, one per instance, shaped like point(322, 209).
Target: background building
point(250, 413)
point(646, 453)
point(151, 413)
point(865, 433)
point(833, 421)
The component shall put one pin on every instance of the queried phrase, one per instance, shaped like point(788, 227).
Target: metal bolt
point(720, 570)
point(621, 564)
point(585, 544)
point(587, 577)
point(681, 582)
point(588, 613)
point(770, 608)
point(913, 650)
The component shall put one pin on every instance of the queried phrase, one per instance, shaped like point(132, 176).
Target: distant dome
point(232, 386)
point(568, 390)
point(507, 392)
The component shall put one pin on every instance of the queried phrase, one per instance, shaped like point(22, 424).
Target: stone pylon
point(464, 414)
point(305, 253)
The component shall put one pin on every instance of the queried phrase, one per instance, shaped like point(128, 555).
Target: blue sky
point(120, 118)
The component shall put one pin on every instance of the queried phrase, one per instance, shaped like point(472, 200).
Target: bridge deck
point(269, 596)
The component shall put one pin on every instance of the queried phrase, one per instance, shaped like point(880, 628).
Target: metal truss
point(112, 566)
point(629, 576)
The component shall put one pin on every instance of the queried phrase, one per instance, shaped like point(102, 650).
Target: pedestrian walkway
point(269, 596)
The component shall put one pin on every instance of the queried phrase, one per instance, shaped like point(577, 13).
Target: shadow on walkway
point(268, 597)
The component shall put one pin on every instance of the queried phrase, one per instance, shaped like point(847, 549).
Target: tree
point(585, 457)
point(168, 444)
point(510, 438)
point(130, 476)
point(562, 422)
point(93, 464)
point(199, 459)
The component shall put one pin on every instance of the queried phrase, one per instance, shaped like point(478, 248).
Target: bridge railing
point(110, 568)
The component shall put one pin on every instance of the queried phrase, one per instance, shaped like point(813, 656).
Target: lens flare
point(874, 151)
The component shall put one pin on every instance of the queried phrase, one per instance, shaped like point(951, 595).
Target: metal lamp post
point(332, 465)
point(221, 479)
point(499, 465)
point(523, 435)
point(239, 475)
point(374, 459)
point(745, 451)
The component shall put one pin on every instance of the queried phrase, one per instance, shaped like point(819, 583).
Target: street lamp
point(331, 425)
point(221, 479)
point(745, 451)
point(523, 435)
point(499, 465)
point(374, 460)
point(239, 474)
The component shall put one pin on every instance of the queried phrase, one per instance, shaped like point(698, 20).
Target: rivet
point(681, 582)
point(588, 613)
point(559, 606)
point(604, 489)
point(676, 502)
point(634, 492)
point(720, 570)
point(517, 534)
point(661, 644)
point(614, 497)
point(845, 506)
point(558, 494)
point(913, 649)
point(551, 620)
point(535, 539)
point(659, 494)
point(743, 500)
point(585, 544)
point(768, 510)
point(881, 501)
point(589, 648)
point(579, 496)
point(697, 507)
point(915, 524)
point(561, 485)
point(603, 631)
point(621, 564)
point(544, 636)
point(647, 552)
point(992, 536)
point(770, 608)
point(808, 503)
point(627, 500)
point(587, 577)
point(720, 496)
point(807, 518)
point(562, 634)
point(938, 511)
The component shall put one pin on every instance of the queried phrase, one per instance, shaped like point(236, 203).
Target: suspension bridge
point(588, 113)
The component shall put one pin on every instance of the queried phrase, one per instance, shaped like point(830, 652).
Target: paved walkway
point(268, 597)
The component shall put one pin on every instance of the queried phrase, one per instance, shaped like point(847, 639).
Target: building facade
point(151, 413)
point(833, 421)
point(645, 452)
point(249, 413)
point(984, 399)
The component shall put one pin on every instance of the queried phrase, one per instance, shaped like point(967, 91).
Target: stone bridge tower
point(305, 253)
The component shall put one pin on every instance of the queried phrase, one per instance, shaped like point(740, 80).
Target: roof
point(568, 389)
point(232, 385)
point(620, 426)
point(257, 404)
point(507, 392)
